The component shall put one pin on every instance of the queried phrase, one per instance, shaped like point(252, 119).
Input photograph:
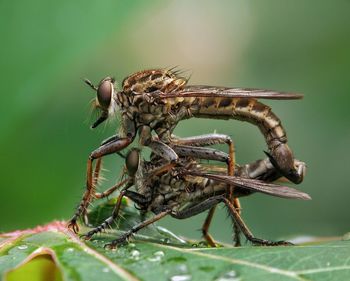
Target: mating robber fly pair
point(150, 104)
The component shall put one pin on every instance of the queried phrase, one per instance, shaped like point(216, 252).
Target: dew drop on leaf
point(182, 268)
point(22, 247)
point(157, 256)
point(229, 276)
point(69, 250)
point(159, 253)
point(135, 254)
point(184, 277)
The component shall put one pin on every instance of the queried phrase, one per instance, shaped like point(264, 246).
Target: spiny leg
point(96, 177)
point(110, 190)
point(205, 227)
point(97, 171)
point(195, 209)
point(124, 237)
point(236, 228)
point(211, 202)
point(82, 207)
point(245, 230)
point(208, 154)
point(209, 139)
point(198, 152)
point(189, 147)
point(107, 222)
point(109, 148)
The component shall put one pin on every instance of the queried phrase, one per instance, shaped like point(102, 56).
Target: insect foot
point(263, 242)
point(123, 239)
point(72, 225)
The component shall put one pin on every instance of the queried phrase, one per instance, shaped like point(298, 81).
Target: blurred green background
point(48, 46)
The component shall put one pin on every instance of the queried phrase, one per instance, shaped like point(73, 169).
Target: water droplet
point(105, 269)
point(303, 239)
point(180, 273)
point(229, 276)
point(69, 250)
point(159, 253)
point(328, 263)
point(157, 256)
point(185, 277)
point(170, 235)
point(135, 254)
point(182, 268)
point(22, 247)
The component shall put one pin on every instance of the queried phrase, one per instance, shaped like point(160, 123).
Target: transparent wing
point(256, 185)
point(223, 92)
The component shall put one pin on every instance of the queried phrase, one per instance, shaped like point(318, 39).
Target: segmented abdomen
point(244, 109)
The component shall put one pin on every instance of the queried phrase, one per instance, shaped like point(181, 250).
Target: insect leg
point(95, 181)
point(205, 227)
point(166, 152)
point(110, 139)
point(106, 149)
point(210, 139)
point(107, 222)
point(203, 140)
point(197, 208)
point(110, 190)
point(190, 148)
point(159, 148)
point(247, 233)
point(201, 153)
point(97, 171)
point(209, 154)
point(163, 150)
point(123, 238)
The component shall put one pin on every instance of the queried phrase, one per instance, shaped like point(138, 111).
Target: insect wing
point(258, 186)
point(223, 92)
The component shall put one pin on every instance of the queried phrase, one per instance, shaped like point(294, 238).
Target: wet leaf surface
point(54, 253)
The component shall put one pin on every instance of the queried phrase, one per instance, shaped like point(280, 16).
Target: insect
point(189, 189)
point(156, 100)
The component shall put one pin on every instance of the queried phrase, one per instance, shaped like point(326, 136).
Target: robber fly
point(156, 100)
point(189, 189)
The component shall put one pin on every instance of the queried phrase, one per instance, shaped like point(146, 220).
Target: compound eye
point(104, 93)
point(132, 161)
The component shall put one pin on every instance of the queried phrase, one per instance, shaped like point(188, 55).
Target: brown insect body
point(159, 99)
point(156, 100)
point(190, 183)
point(189, 189)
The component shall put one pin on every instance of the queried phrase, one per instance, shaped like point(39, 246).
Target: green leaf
point(54, 253)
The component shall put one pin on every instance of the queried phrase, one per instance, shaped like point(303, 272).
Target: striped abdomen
point(249, 110)
point(254, 112)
